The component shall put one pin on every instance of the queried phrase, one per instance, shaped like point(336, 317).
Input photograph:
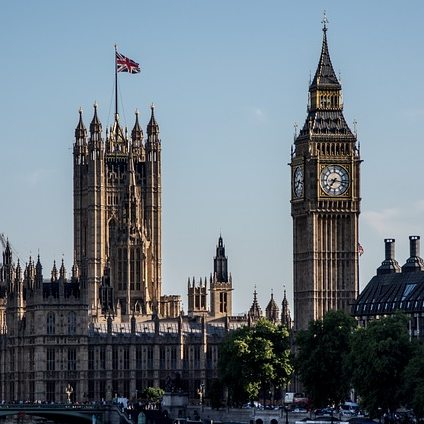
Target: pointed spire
point(80, 130)
point(38, 272)
point(285, 313)
point(255, 311)
point(137, 132)
point(7, 255)
point(272, 310)
point(152, 126)
point(18, 271)
point(54, 273)
point(325, 105)
point(95, 125)
point(62, 270)
point(220, 262)
point(325, 77)
point(75, 269)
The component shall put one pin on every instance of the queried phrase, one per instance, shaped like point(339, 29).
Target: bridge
point(68, 413)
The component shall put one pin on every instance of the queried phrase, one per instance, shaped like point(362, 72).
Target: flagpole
point(116, 86)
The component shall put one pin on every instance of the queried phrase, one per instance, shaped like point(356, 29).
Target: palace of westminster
point(107, 329)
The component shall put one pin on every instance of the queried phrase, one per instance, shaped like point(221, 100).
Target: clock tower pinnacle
point(325, 201)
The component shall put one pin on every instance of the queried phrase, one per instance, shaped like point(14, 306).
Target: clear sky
point(229, 78)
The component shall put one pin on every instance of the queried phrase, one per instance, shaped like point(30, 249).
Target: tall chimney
point(414, 263)
point(390, 264)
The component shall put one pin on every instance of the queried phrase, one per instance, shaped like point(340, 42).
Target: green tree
point(414, 381)
point(153, 395)
point(322, 355)
point(255, 360)
point(380, 353)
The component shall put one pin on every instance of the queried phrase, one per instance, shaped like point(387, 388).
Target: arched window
point(72, 323)
point(51, 323)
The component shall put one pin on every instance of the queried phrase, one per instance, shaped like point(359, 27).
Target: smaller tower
point(271, 311)
point(197, 297)
point(255, 311)
point(221, 284)
point(285, 313)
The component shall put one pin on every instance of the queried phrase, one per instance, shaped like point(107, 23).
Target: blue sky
point(229, 80)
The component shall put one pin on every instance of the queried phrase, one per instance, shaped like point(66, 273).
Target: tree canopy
point(254, 360)
point(414, 381)
point(322, 358)
point(153, 394)
point(380, 353)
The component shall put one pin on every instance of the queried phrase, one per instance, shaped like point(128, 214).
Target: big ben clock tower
point(325, 201)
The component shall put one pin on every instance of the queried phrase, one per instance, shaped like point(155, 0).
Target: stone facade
point(106, 329)
point(325, 202)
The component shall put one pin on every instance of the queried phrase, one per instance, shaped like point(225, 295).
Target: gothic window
point(50, 391)
point(126, 358)
point(162, 357)
point(91, 358)
point(196, 357)
point(102, 389)
point(222, 302)
point(51, 323)
point(115, 358)
point(139, 358)
point(102, 357)
point(72, 359)
point(12, 360)
point(51, 359)
point(173, 357)
point(150, 357)
point(72, 323)
point(31, 359)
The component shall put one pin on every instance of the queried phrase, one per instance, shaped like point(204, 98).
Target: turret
point(95, 126)
point(75, 270)
point(285, 313)
point(53, 278)
point(153, 206)
point(220, 263)
point(152, 126)
point(221, 285)
point(255, 311)
point(271, 311)
point(137, 135)
point(38, 274)
point(62, 272)
point(7, 254)
point(80, 146)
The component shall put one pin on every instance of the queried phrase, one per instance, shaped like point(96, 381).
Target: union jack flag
point(124, 64)
point(360, 249)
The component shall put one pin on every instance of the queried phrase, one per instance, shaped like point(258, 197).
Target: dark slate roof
point(324, 122)
point(388, 293)
point(325, 77)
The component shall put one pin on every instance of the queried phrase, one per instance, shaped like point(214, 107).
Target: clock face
point(298, 181)
point(334, 180)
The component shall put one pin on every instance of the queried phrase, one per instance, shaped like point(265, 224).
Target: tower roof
point(325, 77)
point(152, 126)
point(255, 310)
point(325, 109)
point(80, 130)
point(95, 125)
point(272, 305)
point(137, 132)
